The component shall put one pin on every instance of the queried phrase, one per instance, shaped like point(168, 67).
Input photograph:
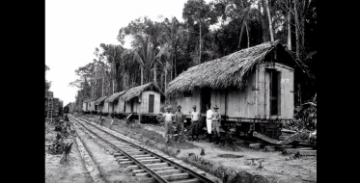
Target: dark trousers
point(195, 129)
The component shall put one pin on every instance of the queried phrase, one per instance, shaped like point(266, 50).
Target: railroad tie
point(168, 172)
point(149, 161)
point(166, 167)
point(195, 180)
point(133, 167)
point(157, 165)
point(141, 155)
point(176, 176)
point(161, 168)
point(144, 158)
point(125, 163)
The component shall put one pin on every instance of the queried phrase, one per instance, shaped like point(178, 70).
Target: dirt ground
point(55, 172)
point(275, 166)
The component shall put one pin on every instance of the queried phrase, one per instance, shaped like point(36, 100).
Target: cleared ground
point(275, 166)
point(55, 172)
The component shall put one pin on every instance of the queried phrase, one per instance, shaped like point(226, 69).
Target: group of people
point(213, 120)
point(178, 118)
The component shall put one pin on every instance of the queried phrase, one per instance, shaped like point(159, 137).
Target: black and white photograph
point(181, 91)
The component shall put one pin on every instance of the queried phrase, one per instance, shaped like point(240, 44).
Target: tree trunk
point(303, 32)
point(142, 75)
point(200, 44)
point(297, 29)
point(289, 30)
point(263, 22)
point(248, 36)
point(165, 86)
point(175, 74)
point(270, 22)
point(241, 33)
point(162, 81)
point(102, 87)
point(113, 91)
point(155, 67)
point(172, 67)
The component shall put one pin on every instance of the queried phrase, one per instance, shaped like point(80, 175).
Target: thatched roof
point(136, 91)
point(114, 96)
point(100, 100)
point(230, 70)
point(87, 100)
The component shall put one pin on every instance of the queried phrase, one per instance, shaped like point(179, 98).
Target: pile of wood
point(304, 151)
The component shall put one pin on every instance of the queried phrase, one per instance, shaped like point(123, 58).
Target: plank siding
point(286, 89)
point(188, 102)
point(253, 101)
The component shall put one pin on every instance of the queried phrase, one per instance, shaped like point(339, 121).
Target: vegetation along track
point(144, 164)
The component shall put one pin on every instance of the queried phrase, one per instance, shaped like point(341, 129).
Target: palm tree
point(242, 10)
point(164, 59)
point(113, 55)
point(171, 36)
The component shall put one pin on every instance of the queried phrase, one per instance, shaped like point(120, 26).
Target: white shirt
point(195, 116)
point(168, 117)
point(209, 114)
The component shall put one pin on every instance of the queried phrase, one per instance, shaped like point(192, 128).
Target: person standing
point(195, 116)
point(168, 118)
point(209, 114)
point(216, 118)
point(112, 120)
point(179, 119)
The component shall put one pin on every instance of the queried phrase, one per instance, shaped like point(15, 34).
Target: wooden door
point(205, 99)
point(151, 103)
point(275, 93)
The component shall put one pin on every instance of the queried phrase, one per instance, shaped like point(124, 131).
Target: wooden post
point(139, 108)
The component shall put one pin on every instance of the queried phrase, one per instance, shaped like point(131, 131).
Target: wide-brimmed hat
point(194, 107)
point(168, 108)
point(216, 107)
point(179, 106)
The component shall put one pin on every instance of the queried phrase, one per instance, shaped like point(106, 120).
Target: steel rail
point(152, 173)
point(191, 172)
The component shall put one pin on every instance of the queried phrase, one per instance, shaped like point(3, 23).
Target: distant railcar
point(142, 100)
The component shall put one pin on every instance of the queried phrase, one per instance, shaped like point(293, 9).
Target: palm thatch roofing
point(87, 100)
point(229, 71)
point(136, 91)
point(114, 96)
point(100, 100)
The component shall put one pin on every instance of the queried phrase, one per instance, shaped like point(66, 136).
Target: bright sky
point(75, 27)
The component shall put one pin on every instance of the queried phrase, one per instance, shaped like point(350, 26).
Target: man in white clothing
point(209, 115)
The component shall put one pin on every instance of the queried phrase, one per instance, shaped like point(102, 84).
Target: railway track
point(144, 164)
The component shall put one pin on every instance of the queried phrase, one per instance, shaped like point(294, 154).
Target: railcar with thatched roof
point(99, 104)
point(85, 106)
point(251, 87)
point(91, 107)
point(142, 100)
point(113, 103)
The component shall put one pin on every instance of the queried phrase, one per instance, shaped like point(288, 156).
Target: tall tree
point(270, 21)
point(146, 40)
point(198, 12)
point(112, 53)
point(172, 34)
point(242, 10)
